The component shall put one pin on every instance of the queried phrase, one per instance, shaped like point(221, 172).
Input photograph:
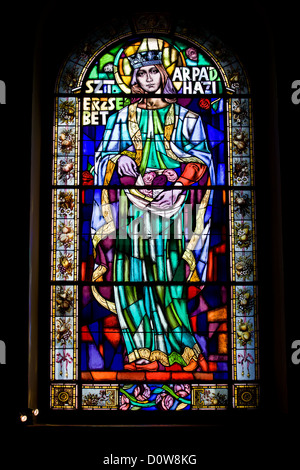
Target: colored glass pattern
point(153, 229)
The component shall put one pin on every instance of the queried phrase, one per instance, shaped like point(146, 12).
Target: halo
point(171, 58)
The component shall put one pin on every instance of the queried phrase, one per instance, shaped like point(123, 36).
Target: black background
point(277, 436)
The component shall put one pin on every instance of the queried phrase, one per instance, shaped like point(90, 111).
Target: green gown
point(149, 270)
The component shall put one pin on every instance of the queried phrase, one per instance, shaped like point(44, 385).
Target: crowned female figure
point(155, 149)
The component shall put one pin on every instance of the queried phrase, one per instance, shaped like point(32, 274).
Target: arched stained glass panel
point(154, 279)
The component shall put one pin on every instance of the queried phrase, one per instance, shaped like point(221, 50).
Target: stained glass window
point(153, 280)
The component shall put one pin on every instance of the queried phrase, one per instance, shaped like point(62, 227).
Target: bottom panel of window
point(154, 396)
point(64, 397)
point(245, 396)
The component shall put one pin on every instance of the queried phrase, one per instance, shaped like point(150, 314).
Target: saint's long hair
point(167, 85)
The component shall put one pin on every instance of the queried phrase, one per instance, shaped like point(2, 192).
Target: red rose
point(87, 178)
point(204, 103)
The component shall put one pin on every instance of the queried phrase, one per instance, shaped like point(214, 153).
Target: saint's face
point(149, 79)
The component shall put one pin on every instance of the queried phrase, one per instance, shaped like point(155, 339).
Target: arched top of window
point(100, 55)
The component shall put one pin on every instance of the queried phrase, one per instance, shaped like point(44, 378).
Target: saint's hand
point(127, 167)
